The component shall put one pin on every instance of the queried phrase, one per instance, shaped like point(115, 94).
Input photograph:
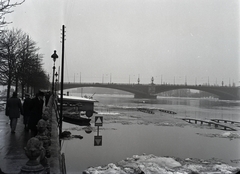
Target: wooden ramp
point(209, 123)
point(225, 121)
point(145, 110)
point(167, 111)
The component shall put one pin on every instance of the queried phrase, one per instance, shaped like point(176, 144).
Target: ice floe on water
point(151, 164)
point(230, 135)
point(108, 113)
point(87, 128)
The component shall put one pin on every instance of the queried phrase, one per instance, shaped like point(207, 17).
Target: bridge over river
point(151, 90)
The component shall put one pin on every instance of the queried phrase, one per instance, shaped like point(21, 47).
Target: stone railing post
point(34, 151)
point(42, 126)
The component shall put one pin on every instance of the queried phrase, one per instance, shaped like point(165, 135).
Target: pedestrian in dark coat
point(36, 109)
point(13, 110)
point(47, 96)
point(26, 110)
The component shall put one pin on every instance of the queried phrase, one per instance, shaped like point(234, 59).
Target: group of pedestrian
point(31, 109)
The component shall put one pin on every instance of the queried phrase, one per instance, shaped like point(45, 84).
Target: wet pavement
point(12, 154)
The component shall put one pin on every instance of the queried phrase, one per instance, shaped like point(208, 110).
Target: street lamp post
point(54, 57)
point(152, 80)
point(56, 74)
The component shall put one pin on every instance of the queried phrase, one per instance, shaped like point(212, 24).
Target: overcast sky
point(120, 40)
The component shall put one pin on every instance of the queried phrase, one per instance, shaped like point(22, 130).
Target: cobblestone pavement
point(12, 154)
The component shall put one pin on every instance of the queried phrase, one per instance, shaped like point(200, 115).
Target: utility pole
point(62, 79)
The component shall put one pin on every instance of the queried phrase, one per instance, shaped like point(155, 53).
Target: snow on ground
point(150, 164)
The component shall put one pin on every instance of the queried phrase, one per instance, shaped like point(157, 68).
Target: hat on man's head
point(14, 94)
point(40, 93)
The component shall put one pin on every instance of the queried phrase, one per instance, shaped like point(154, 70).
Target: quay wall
point(55, 161)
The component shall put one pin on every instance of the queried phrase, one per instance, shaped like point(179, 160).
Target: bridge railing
point(164, 84)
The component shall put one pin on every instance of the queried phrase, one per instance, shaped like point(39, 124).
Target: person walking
point(26, 111)
point(47, 96)
point(36, 110)
point(13, 110)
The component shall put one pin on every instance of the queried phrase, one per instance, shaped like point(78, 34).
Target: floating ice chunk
point(151, 164)
point(224, 168)
point(109, 169)
point(108, 113)
point(164, 162)
point(230, 135)
point(194, 167)
point(188, 159)
point(226, 134)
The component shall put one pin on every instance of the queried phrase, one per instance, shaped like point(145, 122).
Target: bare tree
point(29, 60)
point(6, 7)
point(19, 62)
point(8, 47)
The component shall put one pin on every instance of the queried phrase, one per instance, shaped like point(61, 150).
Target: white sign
point(98, 120)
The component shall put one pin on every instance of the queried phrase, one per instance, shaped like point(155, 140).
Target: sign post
point(98, 138)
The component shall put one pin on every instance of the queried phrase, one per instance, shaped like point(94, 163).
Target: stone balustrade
point(43, 150)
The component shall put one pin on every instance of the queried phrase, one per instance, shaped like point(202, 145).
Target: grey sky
point(193, 40)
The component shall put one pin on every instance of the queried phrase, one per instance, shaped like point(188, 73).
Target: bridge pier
point(148, 96)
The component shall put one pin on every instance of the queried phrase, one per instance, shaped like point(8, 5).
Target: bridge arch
point(122, 87)
point(226, 94)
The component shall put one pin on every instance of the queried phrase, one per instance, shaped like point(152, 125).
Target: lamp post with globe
point(54, 57)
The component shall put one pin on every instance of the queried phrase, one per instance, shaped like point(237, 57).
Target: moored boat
point(79, 104)
point(75, 118)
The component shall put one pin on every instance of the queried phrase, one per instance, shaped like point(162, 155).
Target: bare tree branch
point(6, 7)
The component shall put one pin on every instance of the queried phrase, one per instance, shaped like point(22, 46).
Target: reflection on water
point(121, 139)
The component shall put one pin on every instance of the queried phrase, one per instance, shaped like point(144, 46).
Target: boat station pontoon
point(79, 104)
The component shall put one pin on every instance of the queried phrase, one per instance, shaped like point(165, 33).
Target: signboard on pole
point(98, 121)
point(98, 140)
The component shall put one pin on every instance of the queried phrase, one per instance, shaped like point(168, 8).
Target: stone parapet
point(48, 136)
point(55, 160)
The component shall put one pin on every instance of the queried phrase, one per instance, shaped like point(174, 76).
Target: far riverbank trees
point(21, 64)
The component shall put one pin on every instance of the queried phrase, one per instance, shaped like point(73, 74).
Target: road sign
point(97, 140)
point(98, 120)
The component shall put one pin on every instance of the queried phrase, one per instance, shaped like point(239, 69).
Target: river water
point(127, 131)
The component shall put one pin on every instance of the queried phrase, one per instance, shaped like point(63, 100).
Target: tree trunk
point(16, 90)
point(27, 88)
point(8, 89)
point(23, 90)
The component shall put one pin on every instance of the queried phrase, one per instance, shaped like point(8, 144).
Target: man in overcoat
point(13, 110)
point(36, 109)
